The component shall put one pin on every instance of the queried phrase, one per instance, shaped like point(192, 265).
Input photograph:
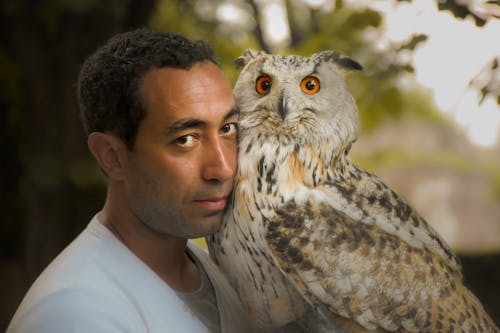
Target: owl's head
point(297, 99)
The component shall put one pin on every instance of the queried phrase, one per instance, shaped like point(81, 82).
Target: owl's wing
point(344, 260)
point(367, 199)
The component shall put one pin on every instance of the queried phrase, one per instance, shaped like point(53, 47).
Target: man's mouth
point(212, 203)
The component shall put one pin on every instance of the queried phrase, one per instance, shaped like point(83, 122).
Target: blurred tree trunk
point(46, 190)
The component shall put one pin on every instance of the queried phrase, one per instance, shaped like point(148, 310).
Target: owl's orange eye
point(263, 84)
point(310, 85)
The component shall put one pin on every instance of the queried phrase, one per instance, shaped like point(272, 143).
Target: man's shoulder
point(79, 309)
point(87, 263)
point(77, 288)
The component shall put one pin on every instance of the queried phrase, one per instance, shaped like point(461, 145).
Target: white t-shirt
point(98, 285)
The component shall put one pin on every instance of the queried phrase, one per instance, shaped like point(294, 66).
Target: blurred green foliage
point(377, 90)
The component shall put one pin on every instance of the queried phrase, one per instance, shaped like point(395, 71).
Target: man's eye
point(231, 128)
point(186, 140)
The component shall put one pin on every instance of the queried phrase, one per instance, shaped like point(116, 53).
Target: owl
point(312, 240)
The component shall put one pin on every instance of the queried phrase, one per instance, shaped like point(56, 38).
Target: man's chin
point(206, 225)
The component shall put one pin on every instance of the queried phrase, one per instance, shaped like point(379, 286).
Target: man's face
point(183, 162)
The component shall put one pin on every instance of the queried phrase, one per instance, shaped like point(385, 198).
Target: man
point(162, 124)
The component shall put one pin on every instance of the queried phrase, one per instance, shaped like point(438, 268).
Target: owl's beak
point(282, 107)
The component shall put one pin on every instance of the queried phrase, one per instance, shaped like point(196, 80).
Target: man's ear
point(110, 153)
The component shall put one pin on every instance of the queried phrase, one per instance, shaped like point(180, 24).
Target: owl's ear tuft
point(345, 63)
point(246, 57)
point(240, 62)
point(349, 64)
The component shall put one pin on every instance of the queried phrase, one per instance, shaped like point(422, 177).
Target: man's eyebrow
point(188, 123)
point(184, 124)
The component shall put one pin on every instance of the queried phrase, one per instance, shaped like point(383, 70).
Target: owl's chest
point(272, 173)
point(269, 176)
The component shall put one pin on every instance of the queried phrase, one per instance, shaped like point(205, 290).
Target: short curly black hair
point(109, 80)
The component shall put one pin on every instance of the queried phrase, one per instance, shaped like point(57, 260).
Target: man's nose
point(220, 160)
